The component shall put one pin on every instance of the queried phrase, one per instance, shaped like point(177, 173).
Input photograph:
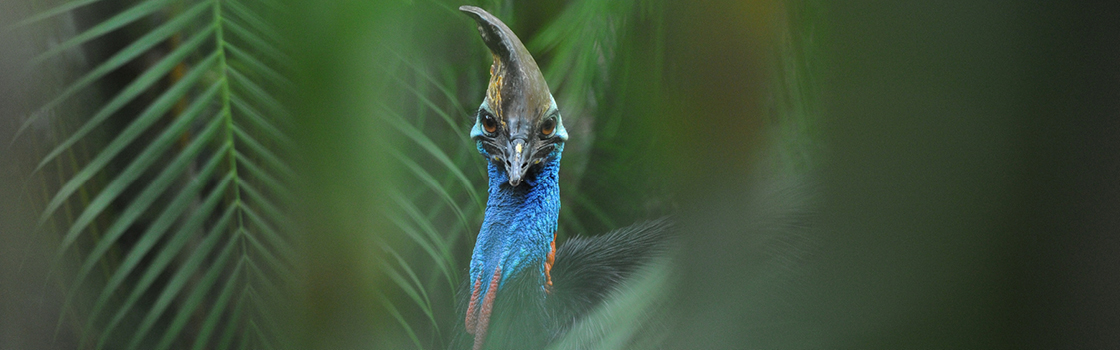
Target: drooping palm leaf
point(180, 230)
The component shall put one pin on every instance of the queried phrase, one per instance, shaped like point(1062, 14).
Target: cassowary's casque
point(523, 291)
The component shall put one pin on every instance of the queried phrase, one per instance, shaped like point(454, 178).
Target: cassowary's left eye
point(548, 127)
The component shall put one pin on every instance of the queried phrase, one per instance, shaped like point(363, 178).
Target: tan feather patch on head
point(494, 90)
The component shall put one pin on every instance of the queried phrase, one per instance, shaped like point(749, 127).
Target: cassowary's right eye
point(488, 123)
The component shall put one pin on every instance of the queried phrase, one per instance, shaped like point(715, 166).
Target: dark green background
point(952, 166)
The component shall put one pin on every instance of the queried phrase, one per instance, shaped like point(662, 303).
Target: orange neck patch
point(548, 265)
point(478, 315)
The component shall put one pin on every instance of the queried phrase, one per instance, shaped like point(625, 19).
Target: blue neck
point(520, 223)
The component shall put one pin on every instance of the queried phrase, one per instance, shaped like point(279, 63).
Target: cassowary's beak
point(516, 161)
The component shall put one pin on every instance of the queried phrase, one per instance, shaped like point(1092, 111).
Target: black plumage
point(588, 270)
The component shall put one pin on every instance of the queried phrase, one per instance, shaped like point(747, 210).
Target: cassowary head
point(518, 125)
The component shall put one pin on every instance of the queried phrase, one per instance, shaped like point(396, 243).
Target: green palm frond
point(439, 207)
point(176, 222)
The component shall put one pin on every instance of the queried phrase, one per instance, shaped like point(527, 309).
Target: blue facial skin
point(520, 222)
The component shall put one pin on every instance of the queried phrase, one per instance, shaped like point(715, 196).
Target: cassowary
point(523, 291)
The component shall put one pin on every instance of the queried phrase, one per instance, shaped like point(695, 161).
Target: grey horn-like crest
point(517, 87)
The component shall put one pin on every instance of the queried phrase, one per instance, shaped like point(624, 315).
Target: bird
point(523, 291)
